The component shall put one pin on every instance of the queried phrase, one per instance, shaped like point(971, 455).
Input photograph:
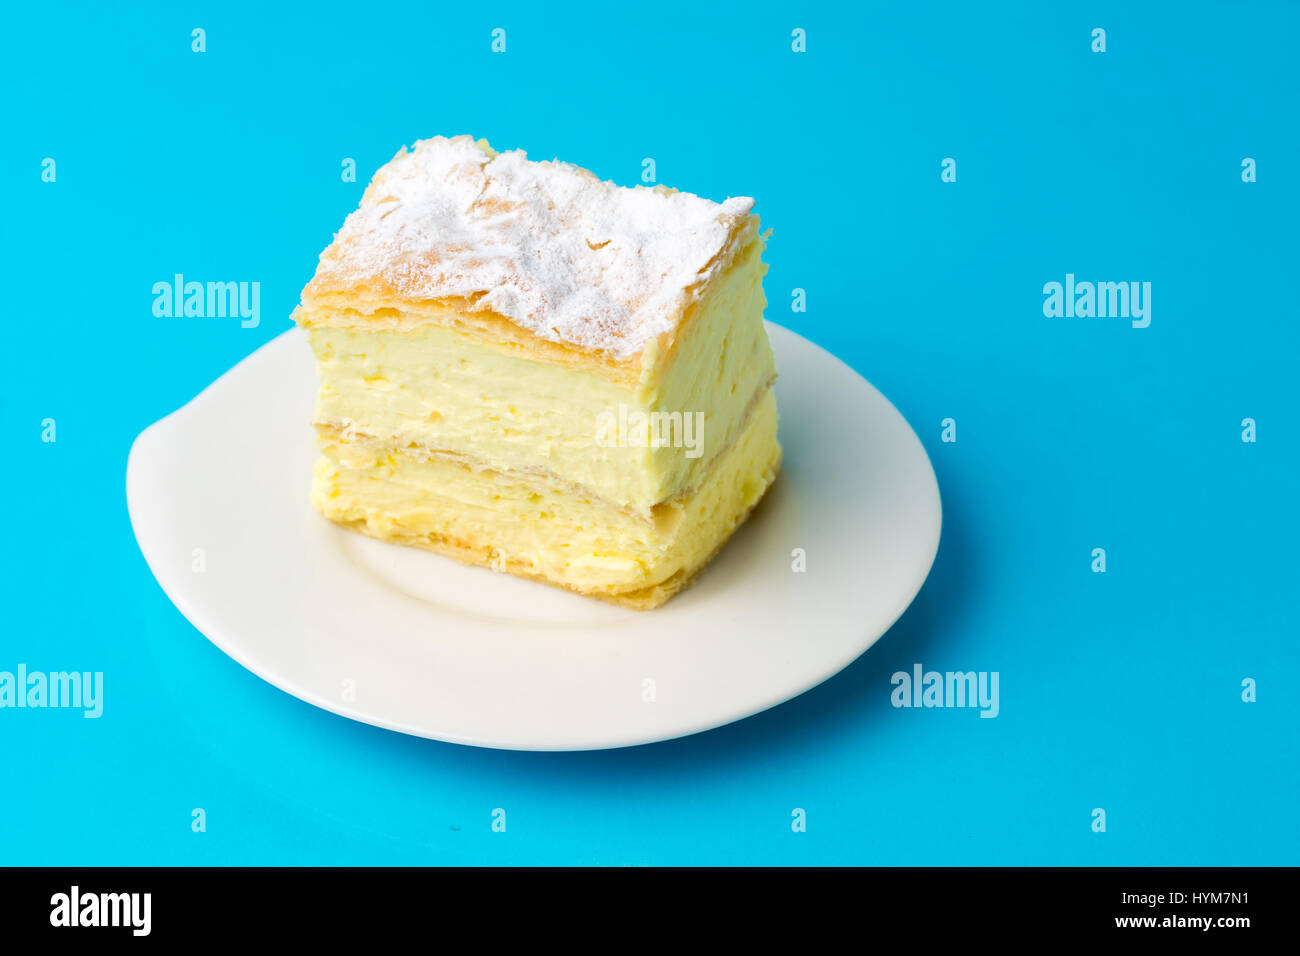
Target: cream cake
point(527, 368)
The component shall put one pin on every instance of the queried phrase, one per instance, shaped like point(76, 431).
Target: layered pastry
point(527, 368)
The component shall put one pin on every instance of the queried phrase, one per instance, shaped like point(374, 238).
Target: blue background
point(1118, 690)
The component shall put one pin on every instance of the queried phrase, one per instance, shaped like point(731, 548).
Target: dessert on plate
point(527, 368)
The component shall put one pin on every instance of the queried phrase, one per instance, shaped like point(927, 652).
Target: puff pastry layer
point(526, 368)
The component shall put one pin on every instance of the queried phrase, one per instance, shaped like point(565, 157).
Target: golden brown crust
point(397, 316)
point(353, 311)
point(392, 272)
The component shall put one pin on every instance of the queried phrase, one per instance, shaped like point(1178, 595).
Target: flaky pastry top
point(559, 253)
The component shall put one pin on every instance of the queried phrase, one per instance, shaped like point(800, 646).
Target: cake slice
point(524, 367)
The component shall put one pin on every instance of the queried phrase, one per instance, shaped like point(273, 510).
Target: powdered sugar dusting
point(549, 246)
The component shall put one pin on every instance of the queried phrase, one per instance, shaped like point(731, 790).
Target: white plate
point(418, 643)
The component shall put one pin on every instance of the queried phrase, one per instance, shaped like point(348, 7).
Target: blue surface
point(1119, 690)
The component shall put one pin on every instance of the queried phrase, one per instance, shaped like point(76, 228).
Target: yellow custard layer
point(439, 389)
point(533, 527)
